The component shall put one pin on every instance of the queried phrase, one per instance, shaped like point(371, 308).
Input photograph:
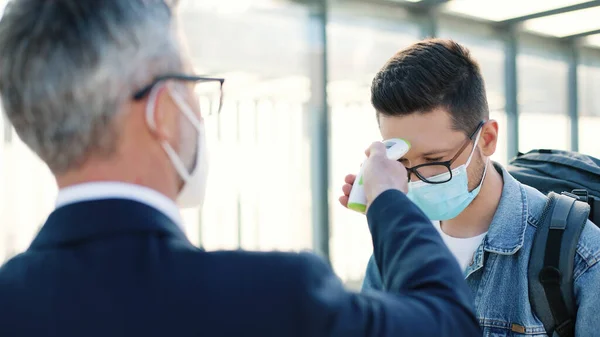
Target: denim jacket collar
point(506, 234)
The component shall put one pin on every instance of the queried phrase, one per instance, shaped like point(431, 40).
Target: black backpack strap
point(551, 263)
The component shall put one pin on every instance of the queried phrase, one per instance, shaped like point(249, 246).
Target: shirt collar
point(506, 234)
point(118, 190)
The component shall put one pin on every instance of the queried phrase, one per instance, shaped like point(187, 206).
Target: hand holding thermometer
point(357, 201)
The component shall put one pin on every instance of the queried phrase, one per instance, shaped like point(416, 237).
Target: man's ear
point(489, 138)
point(161, 117)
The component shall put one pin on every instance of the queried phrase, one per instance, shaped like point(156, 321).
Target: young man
point(433, 95)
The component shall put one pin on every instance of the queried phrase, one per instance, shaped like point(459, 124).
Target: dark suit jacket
point(116, 268)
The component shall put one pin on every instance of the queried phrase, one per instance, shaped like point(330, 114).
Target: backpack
point(572, 182)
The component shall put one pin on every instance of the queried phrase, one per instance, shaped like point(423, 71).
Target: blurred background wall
point(297, 115)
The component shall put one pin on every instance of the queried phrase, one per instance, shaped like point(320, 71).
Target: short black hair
point(430, 74)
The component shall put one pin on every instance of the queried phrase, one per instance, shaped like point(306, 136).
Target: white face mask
point(194, 182)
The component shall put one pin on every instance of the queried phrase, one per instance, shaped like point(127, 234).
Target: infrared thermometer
point(357, 200)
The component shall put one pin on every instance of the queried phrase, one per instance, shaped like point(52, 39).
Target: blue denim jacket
point(497, 274)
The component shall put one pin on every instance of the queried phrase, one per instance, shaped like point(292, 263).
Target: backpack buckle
point(582, 194)
point(571, 195)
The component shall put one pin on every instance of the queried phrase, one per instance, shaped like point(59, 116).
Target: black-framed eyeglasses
point(427, 171)
point(143, 92)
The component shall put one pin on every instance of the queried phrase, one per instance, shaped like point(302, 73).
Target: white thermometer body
point(395, 149)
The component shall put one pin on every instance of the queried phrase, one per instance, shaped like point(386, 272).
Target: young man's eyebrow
point(434, 152)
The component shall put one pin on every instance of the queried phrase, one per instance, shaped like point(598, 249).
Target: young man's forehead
point(434, 122)
point(427, 132)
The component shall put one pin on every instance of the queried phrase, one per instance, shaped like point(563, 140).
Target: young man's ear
point(489, 138)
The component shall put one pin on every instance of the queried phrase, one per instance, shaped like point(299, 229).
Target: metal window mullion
point(318, 117)
point(573, 93)
point(511, 94)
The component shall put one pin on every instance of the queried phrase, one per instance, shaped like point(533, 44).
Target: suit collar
point(90, 220)
point(100, 190)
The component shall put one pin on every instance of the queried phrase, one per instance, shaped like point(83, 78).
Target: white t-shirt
point(463, 249)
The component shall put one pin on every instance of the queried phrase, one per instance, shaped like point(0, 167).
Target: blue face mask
point(445, 201)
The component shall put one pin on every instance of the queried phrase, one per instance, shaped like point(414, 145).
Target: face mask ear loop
point(487, 162)
point(187, 111)
point(185, 108)
point(179, 165)
point(474, 147)
point(150, 119)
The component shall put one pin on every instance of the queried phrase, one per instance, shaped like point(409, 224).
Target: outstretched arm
point(426, 293)
point(372, 280)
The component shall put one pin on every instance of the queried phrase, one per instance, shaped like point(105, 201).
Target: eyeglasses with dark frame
point(444, 165)
point(143, 92)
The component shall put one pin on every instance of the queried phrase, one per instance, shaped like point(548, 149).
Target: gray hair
point(68, 66)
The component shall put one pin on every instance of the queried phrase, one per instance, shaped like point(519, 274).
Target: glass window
point(32, 191)
point(27, 192)
point(359, 45)
point(543, 117)
point(589, 106)
point(258, 195)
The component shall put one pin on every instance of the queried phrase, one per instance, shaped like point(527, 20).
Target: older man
point(101, 91)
